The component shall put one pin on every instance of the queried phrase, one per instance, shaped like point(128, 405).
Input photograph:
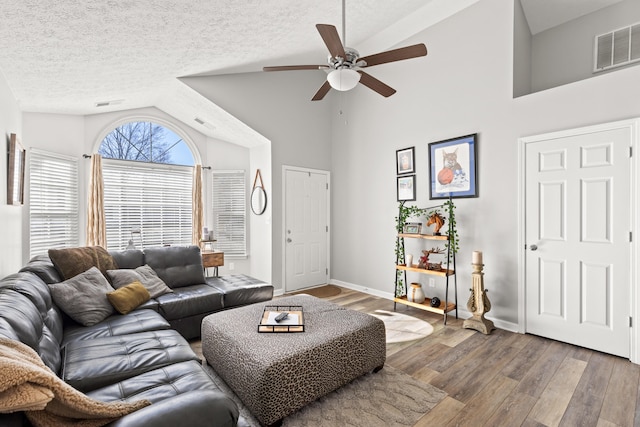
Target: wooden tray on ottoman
point(295, 322)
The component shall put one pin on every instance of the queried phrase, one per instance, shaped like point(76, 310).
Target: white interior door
point(578, 251)
point(306, 229)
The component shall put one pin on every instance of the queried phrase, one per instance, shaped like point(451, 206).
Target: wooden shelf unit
point(445, 306)
point(441, 309)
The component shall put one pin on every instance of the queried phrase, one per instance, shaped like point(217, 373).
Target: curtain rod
point(88, 156)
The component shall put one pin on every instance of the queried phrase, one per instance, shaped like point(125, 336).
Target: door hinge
point(327, 228)
point(326, 271)
point(631, 236)
point(327, 185)
point(630, 321)
point(630, 151)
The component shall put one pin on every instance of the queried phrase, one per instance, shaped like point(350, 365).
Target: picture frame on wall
point(405, 161)
point(15, 171)
point(406, 188)
point(453, 168)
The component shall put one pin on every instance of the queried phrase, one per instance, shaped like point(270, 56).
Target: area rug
point(325, 291)
point(383, 399)
point(401, 327)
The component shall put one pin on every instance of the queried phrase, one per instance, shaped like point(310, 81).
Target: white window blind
point(229, 212)
point(153, 199)
point(53, 202)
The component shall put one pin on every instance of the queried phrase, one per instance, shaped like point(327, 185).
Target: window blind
point(53, 202)
point(229, 212)
point(147, 203)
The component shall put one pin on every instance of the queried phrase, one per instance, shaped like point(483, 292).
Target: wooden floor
point(509, 379)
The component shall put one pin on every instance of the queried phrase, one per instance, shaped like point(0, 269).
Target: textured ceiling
point(66, 56)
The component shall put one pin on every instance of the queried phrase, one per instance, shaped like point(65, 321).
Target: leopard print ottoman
point(276, 374)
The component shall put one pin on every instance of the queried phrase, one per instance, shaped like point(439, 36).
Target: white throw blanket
point(27, 384)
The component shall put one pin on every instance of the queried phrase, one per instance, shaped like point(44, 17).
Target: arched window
point(147, 172)
point(146, 142)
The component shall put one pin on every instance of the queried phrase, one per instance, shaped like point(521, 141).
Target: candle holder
point(478, 303)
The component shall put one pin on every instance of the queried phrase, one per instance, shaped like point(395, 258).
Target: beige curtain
point(96, 227)
point(197, 206)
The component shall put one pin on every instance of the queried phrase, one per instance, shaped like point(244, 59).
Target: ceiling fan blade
point(374, 84)
point(331, 38)
point(294, 67)
point(324, 89)
point(395, 55)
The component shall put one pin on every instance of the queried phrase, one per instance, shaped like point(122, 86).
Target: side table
point(213, 259)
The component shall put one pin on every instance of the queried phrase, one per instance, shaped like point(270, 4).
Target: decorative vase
point(409, 260)
point(415, 293)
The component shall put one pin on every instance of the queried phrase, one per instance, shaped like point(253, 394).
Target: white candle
point(476, 257)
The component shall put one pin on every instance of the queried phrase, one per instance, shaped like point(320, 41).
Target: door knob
point(534, 247)
point(289, 240)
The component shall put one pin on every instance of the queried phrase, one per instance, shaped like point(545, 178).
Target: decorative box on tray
point(293, 322)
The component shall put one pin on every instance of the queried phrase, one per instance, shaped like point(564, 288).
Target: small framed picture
point(406, 188)
point(453, 168)
point(412, 228)
point(404, 161)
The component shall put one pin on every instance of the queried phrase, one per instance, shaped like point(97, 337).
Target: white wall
point(564, 54)
point(10, 216)
point(77, 135)
point(463, 86)
point(261, 226)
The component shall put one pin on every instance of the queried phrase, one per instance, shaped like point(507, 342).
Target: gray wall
point(278, 106)
point(564, 54)
point(521, 52)
point(463, 86)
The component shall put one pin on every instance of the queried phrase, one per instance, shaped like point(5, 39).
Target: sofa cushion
point(41, 266)
point(158, 384)
point(118, 324)
point(177, 265)
point(91, 364)
point(241, 289)
point(128, 298)
point(143, 274)
point(130, 258)
point(84, 297)
point(190, 300)
point(72, 261)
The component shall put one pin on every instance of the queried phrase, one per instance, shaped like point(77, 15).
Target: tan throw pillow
point(84, 297)
point(144, 274)
point(128, 298)
point(72, 261)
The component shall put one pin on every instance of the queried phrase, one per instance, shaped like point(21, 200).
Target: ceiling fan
point(345, 63)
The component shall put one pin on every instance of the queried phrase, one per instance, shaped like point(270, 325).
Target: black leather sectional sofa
point(140, 355)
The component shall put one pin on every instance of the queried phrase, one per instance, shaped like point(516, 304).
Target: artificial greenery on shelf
point(406, 212)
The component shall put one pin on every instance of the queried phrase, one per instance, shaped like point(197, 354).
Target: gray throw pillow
point(84, 297)
point(143, 274)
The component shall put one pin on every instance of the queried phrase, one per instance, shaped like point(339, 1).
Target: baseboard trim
point(462, 313)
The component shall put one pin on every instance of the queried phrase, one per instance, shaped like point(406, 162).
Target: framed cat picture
point(453, 167)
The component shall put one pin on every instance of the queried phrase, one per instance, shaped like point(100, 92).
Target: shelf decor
point(453, 168)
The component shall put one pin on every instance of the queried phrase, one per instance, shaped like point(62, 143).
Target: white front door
point(306, 228)
point(578, 252)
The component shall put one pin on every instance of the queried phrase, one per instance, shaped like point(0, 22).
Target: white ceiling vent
point(617, 48)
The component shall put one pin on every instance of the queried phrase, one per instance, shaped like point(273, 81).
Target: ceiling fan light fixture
point(343, 79)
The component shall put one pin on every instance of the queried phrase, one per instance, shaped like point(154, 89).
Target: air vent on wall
point(617, 48)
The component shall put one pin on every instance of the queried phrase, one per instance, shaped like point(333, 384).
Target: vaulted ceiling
point(70, 57)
